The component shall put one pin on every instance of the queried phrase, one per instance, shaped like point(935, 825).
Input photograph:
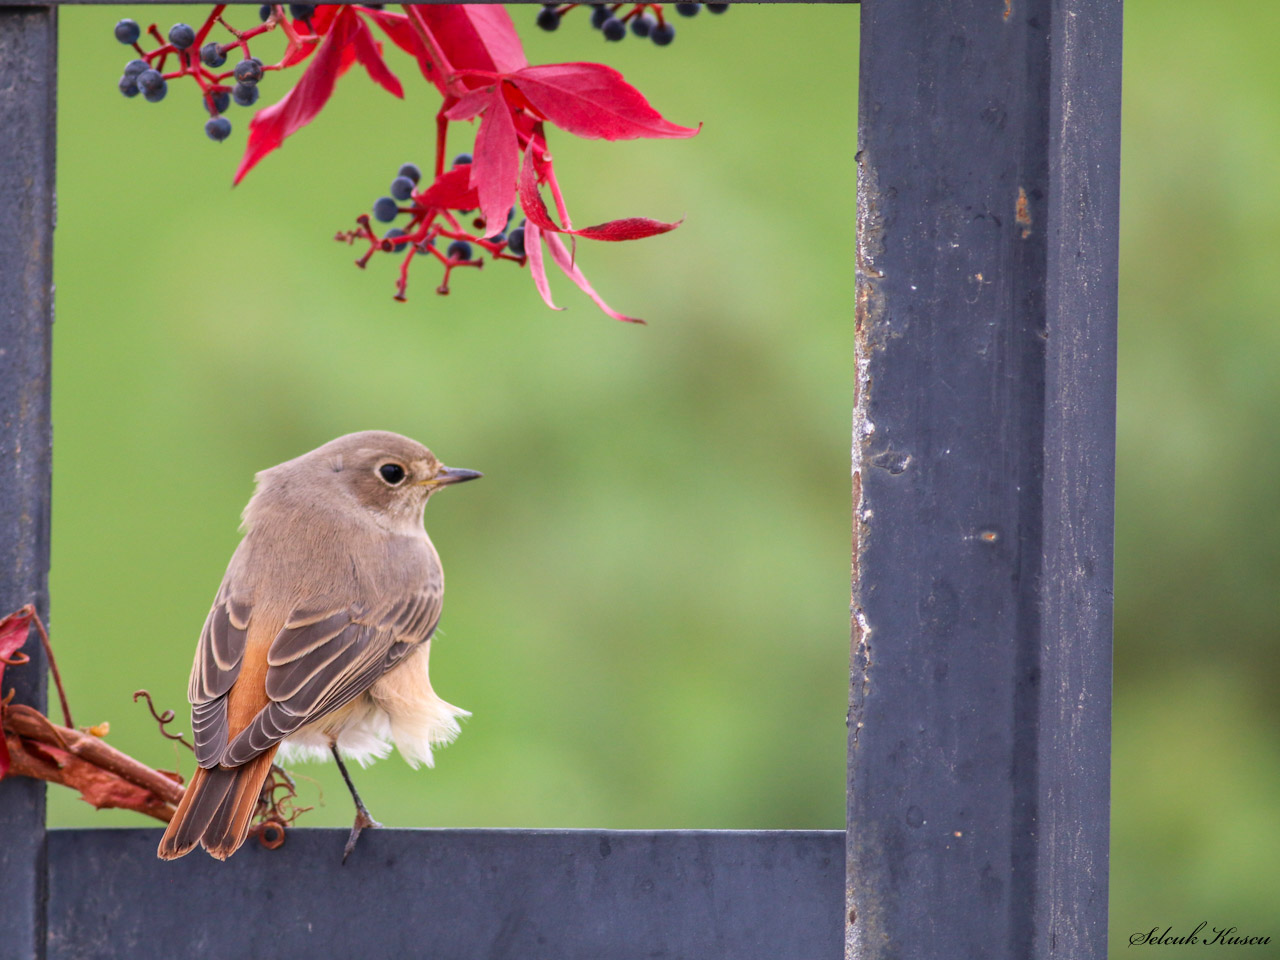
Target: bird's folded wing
point(319, 661)
point(217, 664)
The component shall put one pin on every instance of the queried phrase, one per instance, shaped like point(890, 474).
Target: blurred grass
point(647, 606)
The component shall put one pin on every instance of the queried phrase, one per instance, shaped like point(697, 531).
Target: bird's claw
point(363, 821)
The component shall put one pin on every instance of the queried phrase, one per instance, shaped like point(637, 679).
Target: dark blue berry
point(548, 19)
point(129, 86)
point(663, 34)
point(411, 171)
point(134, 67)
point(392, 234)
point(461, 159)
point(688, 9)
point(385, 209)
point(717, 7)
point(402, 188)
point(643, 25)
point(182, 35)
point(599, 14)
point(301, 11)
point(221, 100)
point(211, 55)
point(459, 250)
point(613, 29)
point(264, 12)
point(156, 95)
point(128, 31)
point(498, 238)
point(515, 242)
point(245, 95)
point(249, 71)
point(217, 129)
point(149, 80)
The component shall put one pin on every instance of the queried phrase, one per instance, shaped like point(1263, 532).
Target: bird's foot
point(363, 821)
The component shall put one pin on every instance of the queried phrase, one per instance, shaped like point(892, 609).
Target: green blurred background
point(649, 619)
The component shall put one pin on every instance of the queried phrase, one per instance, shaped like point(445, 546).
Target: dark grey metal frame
point(979, 740)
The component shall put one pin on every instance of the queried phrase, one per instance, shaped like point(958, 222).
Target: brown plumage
point(319, 636)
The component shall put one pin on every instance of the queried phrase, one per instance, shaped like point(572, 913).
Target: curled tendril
point(163, 719)
point(19, 658)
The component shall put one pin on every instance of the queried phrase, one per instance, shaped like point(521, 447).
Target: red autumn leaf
point(560, 254)
point(496, 161)
point(628, 228)
point(593, 101)
point(537, 269)
point(370, 56)
point(474, 36)
point(269, 128)
point(13, 634)
point(397, 27)
point(452, 190)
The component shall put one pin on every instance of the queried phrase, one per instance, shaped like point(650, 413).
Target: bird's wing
point(217, 665)
point(320, 660)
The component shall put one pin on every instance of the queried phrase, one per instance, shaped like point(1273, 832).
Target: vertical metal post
point(28, 57)
point(979, 734)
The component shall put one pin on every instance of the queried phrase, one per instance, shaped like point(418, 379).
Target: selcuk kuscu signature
point(1225, 936)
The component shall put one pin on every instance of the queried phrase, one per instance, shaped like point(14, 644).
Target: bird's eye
point(393, 473)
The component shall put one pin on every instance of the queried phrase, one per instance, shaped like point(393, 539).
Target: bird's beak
point(447, 475)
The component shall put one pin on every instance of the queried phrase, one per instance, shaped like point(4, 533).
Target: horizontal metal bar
point(520, 894)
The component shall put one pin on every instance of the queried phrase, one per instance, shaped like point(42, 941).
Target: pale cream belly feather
point(401, 708)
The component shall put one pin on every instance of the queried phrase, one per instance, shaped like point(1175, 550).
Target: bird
point(318, 639)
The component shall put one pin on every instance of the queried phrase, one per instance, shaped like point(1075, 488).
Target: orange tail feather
point(216, 809)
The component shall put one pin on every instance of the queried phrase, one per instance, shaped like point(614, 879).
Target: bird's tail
point(216, 809)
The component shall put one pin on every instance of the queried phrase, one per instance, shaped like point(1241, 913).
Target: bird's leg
point(362, 814)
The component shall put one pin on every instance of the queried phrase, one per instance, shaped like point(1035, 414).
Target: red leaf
point(397, 27)
point(629, 228)
point(560, 254)
point(367, 52)
point(13, 634)
point(593, 101)
point(452, 189)
point(496, 163)
point(530, 199)
point(269, 127)
point(537, 269)
point(474, 36)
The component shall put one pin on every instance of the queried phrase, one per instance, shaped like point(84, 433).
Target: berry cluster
point(472, 55)
point(646, 19)
point(431, 218)
point(199, 58)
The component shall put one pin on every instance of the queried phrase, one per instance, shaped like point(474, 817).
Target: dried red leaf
point(452, 190)
point(593, 101)
point(14, 630)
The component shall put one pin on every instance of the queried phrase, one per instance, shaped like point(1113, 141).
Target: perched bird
point(319, 635)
